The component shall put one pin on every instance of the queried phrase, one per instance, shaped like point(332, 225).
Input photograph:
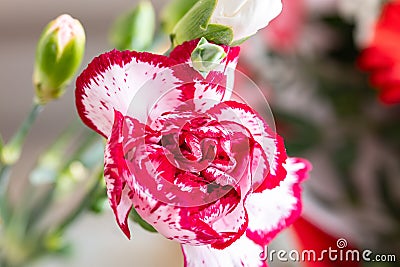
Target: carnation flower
point(200, 168)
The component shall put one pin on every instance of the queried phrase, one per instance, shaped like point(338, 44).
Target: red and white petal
point(178, 213)
point(259, 168)
point(235, 223)
point(110, 82)
point(218, 84)
point(277, 171)
point(124, 190)
point(243, 252)
point(144, 85)
point(246, 116)
point(274, 209)
point(140, 172)
point(147, 171)
point(116, 175)
point(272, 145)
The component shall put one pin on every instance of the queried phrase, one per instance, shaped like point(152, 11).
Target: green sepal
point(57, 67)
point(219, 34)
point(195, 24)
point(240, 41)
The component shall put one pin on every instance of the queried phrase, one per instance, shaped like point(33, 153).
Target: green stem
point(4, 178)
point(45, 202)
point(4, 174)
point(4, 208)
point(11, 152)
point(98, 176)
point(19, 139)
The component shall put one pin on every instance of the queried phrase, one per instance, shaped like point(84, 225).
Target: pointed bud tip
point(66, 28)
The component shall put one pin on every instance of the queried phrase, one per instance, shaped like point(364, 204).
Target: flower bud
point(135, 30)
point(59, 54)
point(206, 56)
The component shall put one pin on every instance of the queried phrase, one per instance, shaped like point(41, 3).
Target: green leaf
point(134, 30)
point(145, 225)
point(195, 24)
point(173, 12)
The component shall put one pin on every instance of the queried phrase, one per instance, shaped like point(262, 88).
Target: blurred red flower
point(282, 34)
point(381, 58)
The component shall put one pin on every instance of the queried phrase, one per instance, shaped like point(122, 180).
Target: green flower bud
point(10, 154)
point(206, 57)
point(135, 30)
point(59, 54)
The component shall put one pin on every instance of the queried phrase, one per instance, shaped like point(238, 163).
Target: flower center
point(193, 143)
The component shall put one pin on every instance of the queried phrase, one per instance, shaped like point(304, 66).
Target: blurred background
point(324, 106)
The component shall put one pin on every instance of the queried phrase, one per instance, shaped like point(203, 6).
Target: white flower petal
point(245, 17)
point(243, 252)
